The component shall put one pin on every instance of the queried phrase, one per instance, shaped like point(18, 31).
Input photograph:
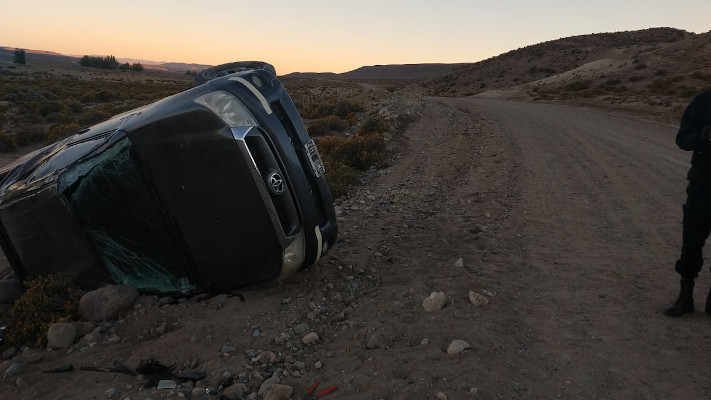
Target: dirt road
point(567, 220)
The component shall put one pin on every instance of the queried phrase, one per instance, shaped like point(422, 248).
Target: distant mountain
point(385, 72)
point(42, 56)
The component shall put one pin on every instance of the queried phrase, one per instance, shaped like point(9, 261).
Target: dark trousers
point(697, 225)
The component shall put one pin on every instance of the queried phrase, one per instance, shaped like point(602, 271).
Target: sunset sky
point(325, 35)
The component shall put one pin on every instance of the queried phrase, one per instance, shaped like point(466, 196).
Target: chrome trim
point(240, 133)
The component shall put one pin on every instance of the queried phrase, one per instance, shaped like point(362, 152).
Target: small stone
point(488, 293)
point(339, 316)
point(473, 391)
point(478, 299)
point(264, 357)
point(457, 347)
point(377, 341)
point(435, 301)
point(268, 384)
point(110, 393)
point(459, 263)
point(256, 333)
point(166, 300)
point(226, 378)
point(161, 329)
point(424, 342)
point(279, 392)
point(299, 365)
point(441, 396)
point(167, 384)
point(13, 369)
point(114, 339)
point(309, 338)
point(235, 391)
point(301, 328)
point(61, 335)
point(33, 358)
point(318, 365)
point(227, 349)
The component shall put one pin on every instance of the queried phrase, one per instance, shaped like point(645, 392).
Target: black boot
point(685, 303)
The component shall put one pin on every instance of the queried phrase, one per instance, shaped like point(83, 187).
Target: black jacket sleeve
point(695, 126)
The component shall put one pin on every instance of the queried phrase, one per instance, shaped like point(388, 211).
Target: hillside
point(659, 68)
point(385, 72)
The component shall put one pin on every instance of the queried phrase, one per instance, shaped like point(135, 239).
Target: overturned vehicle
point(207, 190)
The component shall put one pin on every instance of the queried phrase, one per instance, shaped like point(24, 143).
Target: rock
point(268, 384)
point(435, 301)
point(299, 365)
point(279, 392)
point(110, 393)
point(33, 358)
point(318, 365)
point(301, 328)
point(377, 341)
point(227, 349)
point(166, 300)
point(457, 347)
point(441, 396)
point(232, 392)
point(459, 263)
point(106, 303)
point(478, 228)
point(478, 299)
point(473, 391)
point(309, 338)
point(13, 369)
point(264, 357)
point(84, 327)
point(113, 339)
point(167, 384)
point(227, 378)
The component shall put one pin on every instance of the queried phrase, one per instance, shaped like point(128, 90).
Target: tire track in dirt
point(601, 213)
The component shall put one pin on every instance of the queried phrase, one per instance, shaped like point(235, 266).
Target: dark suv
point(213, 188)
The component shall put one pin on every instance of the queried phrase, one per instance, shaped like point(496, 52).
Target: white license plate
point(314, 158)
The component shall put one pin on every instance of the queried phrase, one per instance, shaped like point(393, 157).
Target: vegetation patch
point(48, 300)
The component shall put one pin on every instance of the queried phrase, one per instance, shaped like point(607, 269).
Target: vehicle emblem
point(275, 183)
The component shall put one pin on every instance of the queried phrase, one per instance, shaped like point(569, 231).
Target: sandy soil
point(566, 219)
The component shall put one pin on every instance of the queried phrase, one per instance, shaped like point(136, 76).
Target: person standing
point(694, 135)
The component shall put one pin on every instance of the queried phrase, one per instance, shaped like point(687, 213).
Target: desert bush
point(26, 135)
point(60, 130)
point(373, 125)
point(48, 299)
point(326, 125)
point(577, 86)
point(337, 107)
point(7, 143)
point(340, 178)
point(359, 151)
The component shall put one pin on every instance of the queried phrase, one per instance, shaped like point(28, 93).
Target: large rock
point(457, 347)
point(61, 335)
point(106, 303)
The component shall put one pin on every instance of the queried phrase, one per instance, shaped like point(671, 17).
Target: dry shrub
point(345, 157)
point(339, 108)
point(48, 300)
point(60, 130)
point(7, 143)
point(326, 125)
point(359, 151)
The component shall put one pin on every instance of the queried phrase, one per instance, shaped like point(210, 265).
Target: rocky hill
point(659, 67)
